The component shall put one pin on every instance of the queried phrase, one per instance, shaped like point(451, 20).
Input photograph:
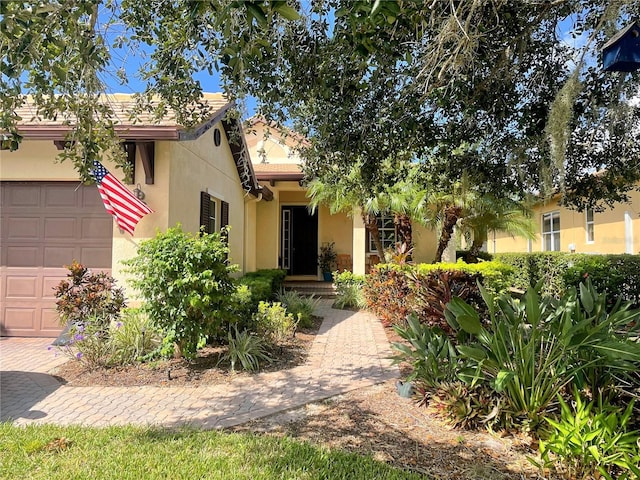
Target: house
point(192, 176)
point(210, 176)
point(614, 230)
point(289, 235)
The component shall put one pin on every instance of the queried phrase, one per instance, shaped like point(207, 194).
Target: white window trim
point(554, 247)
point(592, 223)
point(372, 247)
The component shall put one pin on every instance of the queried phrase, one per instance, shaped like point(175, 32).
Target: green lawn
point(52, 452)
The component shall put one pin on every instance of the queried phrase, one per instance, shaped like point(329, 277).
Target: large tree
point(496, 79)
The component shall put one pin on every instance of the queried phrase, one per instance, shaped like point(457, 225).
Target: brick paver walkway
point(350, 351)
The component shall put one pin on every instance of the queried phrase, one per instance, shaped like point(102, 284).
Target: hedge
point(617, 275)
point(393, 291)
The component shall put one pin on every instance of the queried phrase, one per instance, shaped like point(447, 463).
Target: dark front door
point(299, 241)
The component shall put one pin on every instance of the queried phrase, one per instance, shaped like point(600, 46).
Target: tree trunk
point(451, 216)
point(371, 224)
point(404, 229)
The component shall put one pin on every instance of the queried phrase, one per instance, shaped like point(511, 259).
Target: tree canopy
point(509, 92)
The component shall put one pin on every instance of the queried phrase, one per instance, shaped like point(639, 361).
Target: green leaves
point(184, 280)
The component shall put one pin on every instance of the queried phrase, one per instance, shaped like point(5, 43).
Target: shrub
point(616, 275)
point(536, 346)
point(273, 323)
point(185, 282)
point(246, 349)
point(433, 290)
point(300, 306)
point(133, 338)
point(349, 290)
point(86, 294)
point(387, 293)
point(392, 292)
point(589, 442)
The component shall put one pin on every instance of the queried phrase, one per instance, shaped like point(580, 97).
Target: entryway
point(299, 240)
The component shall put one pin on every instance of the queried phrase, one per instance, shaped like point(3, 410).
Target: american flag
point(118, 199)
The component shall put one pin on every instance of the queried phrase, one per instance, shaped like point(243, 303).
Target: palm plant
point(347, 193)
point(489, 213)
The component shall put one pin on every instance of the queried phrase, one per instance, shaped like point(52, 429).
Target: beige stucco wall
point(267, 144)
point(425, 244)
point(196, 166)
point(609, 230)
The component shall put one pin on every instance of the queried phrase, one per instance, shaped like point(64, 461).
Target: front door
point(299, 250)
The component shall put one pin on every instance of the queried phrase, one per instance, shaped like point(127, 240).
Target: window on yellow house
point(214, 213)
point(387, 233)
point(590, 226)
point(551, 231)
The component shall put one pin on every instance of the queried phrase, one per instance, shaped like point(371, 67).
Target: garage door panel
point(91, 201)
point(96, 228)
point(96, 257)
point(23, 256)
point(25, 196)
point(49, 285)
point(60, 196)
point(56, 256)
point(50, 320)
point(21, 287)
point(46, 225)
point(20, 228)
point(20, 317)
point(59, 228)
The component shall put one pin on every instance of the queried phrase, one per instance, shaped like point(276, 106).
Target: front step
point(318, 289)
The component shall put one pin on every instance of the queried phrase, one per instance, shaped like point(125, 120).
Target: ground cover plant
point(511, 369)
point(51, 452)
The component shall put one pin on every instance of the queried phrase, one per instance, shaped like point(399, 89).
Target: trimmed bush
point(349, 290)
point(387, 291)
point(617, 275)
point(186, 284)
point(392, 291)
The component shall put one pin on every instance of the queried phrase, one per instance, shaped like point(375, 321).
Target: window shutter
point(224, 215)
point(224, 220)
point(205, 210)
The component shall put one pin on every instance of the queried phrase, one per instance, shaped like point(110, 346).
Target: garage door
point(44, 226)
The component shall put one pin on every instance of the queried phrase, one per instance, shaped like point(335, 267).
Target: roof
point(144, 127)
point(278, 171)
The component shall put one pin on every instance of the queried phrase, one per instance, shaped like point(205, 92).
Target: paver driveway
point(350, 351)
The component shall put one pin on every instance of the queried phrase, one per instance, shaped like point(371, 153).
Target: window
point(211, 219)
point(551, 231)
point(387, 234)
point(590, 225)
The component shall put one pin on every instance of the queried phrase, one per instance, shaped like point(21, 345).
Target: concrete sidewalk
point(350, 351)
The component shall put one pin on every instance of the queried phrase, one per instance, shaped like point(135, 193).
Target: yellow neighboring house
point(197, 176)
point(615, 230)
point(288, 235)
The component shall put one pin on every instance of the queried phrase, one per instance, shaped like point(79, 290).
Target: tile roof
point(122, 104)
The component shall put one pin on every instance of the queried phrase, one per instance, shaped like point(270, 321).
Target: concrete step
point(318, 289)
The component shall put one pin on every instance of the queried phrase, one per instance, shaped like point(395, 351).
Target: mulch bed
point(200, 371)
point(371, 421)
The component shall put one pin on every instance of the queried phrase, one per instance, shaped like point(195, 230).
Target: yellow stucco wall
point(266, 144)
point(425, 244)
point(196, 166)
point(610, 230)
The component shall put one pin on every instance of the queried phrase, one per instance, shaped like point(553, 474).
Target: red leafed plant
point(86, 294)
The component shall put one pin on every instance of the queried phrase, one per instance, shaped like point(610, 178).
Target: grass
point(53, 452)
